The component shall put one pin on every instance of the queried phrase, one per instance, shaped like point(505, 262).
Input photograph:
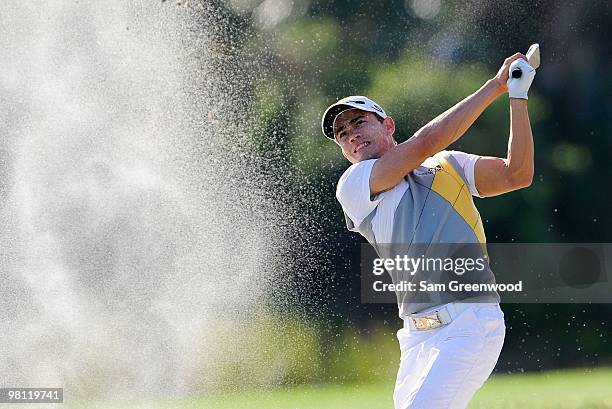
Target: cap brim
point(330, 116)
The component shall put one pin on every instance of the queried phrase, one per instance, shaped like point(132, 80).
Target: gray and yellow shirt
point(432, 205)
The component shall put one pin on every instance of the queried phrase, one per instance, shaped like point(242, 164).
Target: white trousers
point(444, 367)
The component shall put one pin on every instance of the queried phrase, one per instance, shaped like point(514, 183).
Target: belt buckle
point(427, 322)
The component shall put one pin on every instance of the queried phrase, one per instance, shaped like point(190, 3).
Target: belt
point(436, 317)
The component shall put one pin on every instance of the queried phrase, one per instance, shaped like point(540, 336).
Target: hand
point(518, 87)
point(501, 79)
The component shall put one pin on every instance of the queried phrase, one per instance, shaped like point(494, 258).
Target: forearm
point(432, 138)
point(449, 126)
point(520, 143)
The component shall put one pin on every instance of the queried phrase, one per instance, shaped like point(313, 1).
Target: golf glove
point(518, 87)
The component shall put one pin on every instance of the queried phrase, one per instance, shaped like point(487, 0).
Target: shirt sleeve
point(467, 161)
point(353, 191)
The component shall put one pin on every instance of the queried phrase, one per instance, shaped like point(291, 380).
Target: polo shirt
point(432, 204)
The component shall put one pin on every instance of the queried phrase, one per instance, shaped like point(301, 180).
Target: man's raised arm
point(438, 134)
point(495, 176)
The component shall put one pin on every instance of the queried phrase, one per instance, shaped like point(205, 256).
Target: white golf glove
point(518, 87)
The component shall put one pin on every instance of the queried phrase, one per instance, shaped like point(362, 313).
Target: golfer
point(418, 192)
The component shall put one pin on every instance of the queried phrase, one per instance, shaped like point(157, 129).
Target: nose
point(353, 135)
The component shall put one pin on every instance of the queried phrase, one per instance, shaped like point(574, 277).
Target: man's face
point(362, 135)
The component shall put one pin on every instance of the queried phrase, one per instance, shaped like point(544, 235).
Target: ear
point(389, 125)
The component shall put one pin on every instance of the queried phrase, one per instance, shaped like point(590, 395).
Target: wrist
point(518, 101)
point(497, 85)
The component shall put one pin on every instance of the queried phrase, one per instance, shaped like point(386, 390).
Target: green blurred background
point(416, 58)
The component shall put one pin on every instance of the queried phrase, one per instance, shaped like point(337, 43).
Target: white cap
point(352, 102)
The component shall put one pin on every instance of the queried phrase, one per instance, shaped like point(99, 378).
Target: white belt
point(436, 317)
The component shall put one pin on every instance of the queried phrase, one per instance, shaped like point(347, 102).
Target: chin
point(367, 155)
